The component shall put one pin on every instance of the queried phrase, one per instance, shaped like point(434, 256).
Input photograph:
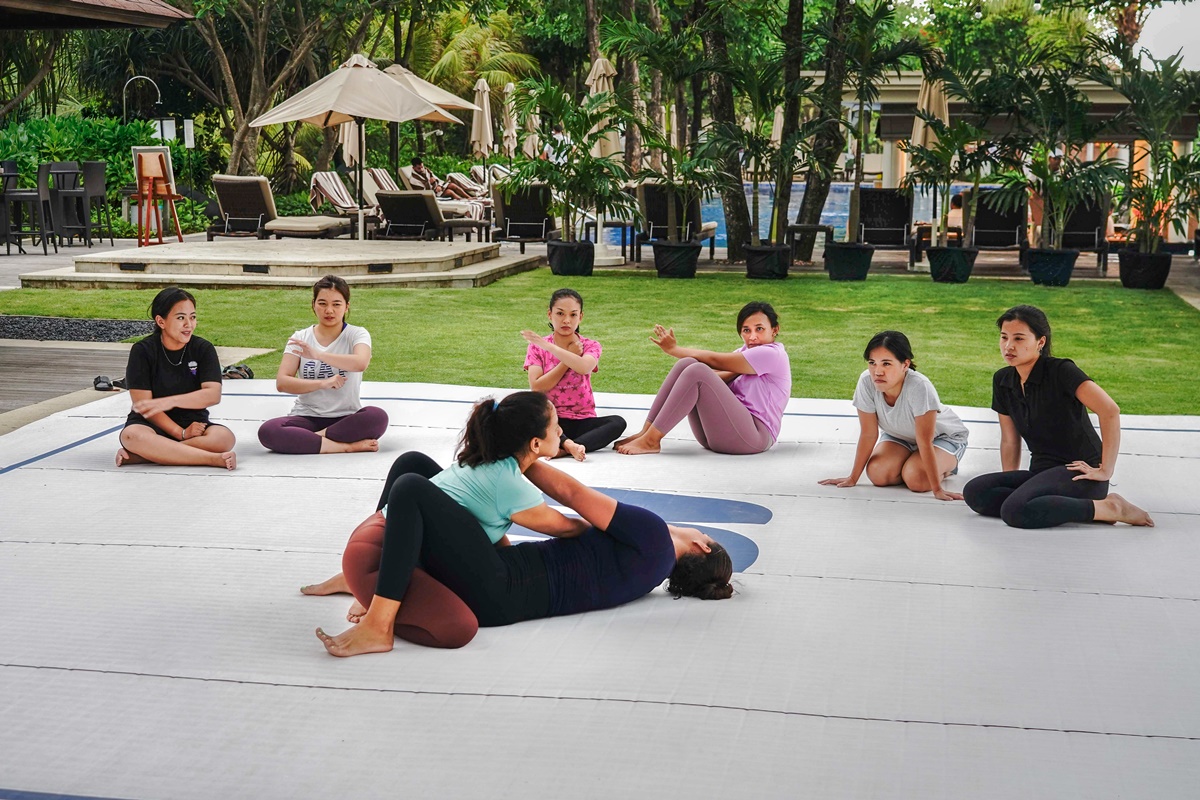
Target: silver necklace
point(182, 353)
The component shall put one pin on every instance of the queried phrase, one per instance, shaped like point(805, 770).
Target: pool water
point(835, 213)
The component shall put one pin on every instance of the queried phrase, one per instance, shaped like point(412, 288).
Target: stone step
point(299, 258)
point(480, 273)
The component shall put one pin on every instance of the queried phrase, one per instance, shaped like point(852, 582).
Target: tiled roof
point(34, 14)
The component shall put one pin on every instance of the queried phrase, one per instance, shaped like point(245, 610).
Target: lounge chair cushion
point(317, 224)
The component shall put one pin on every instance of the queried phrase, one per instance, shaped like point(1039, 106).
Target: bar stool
point(93, 190)
point(38, 202)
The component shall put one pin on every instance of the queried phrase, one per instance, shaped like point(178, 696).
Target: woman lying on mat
point(920, 441)
point(324, 364)
point(1045, 401)
point(560, 366)
point(733, 401)
point(173, 379)
point(619, 554)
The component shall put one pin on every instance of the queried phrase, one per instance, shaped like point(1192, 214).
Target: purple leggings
point(298, 435)
point(719, 420)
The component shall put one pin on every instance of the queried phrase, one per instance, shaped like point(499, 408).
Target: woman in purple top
point(733, 401)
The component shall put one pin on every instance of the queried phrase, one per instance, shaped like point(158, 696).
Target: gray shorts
point(951, 446)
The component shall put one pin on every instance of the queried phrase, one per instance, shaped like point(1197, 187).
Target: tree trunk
point(737, 218)
point(830, 141)
point(793, 42)
point(43, 71)
point(654, 109)
point(591, 23)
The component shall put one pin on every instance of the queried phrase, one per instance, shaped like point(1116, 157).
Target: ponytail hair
point(895, 343)
point(165, 300)
point(703, 575)
point(499, 429)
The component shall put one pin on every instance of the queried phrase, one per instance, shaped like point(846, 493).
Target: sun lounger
point(474, 209)
point(248, 209)
point(418, 215)
point(1001, 230)
point(1087, 230)
point(885, 220)
point(328, 187)
point(525, 216)
point(652, 200)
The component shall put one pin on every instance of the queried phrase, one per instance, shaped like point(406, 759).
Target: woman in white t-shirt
point(920, 441)
point(323, 364)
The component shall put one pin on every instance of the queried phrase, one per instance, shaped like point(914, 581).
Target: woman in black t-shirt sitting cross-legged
point(173, 378)
point(1045, 401)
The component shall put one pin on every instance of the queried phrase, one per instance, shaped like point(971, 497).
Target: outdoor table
point(793, 230)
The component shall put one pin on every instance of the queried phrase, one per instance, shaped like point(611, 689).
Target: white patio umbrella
point(600, 79)
point(932, 101)
point(483, 138)
point(508, 124)
point(428, 91)
point(354, 92)
point(348, 139)
point(533, 145)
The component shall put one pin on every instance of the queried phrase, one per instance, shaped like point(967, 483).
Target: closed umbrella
point(932, 101)
point(508, 124)
point(600, 80)
point(354, 92)
point(348, 139)
point(482, 136)
point(533, 145)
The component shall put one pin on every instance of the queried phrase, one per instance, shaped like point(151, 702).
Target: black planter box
point(768, 261)
point(1144, 270)
point(676, 259)
point(848, 262)
point(1050, 267)
point(951, 264)
point(570, 258)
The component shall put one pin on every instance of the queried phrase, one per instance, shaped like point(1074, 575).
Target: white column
point(892, 165)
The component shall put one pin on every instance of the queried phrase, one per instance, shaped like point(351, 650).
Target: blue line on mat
point(15, 794)
point(639, 408)
point(56, 451)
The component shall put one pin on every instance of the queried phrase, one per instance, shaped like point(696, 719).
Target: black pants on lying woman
point(1025, 499)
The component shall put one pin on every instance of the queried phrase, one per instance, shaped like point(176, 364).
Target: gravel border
point(67, 329)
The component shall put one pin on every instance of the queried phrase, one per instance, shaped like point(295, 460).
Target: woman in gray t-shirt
point(920, 441)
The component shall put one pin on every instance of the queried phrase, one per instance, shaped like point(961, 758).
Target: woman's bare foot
point(125, 457)
point(356, 613)
point(227, 460)
point(619, 442)
point(1115, 508)
point(356, 641)
point(576, 451)
point(361, 446)
point(643, 445)
point(335, 585)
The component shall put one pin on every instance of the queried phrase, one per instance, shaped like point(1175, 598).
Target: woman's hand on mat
point(665, 339)
point(1088, 472)
point(334, 382)
point(193, 430)
point(154, 405)
point(942, 494)
point(841, 483)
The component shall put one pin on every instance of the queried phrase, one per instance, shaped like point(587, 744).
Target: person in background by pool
point(560, 366)
point(1045, 401)
point(323, 365)
point(174, 377)
point(954, 217)
point(920, 441)
point(734, 402)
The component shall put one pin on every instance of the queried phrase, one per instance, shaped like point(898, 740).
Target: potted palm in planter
point(1160, 185)
point(1052, 127)
point(960, 152)
point(873, 49)
point(762, 86)
point(578, 179)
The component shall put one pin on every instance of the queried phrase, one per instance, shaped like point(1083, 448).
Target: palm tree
point(873, 50)
point(476, 50)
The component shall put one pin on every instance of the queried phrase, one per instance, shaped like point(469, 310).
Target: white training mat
point(882, 644)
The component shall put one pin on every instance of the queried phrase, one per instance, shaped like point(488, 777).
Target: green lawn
point(1134, 343)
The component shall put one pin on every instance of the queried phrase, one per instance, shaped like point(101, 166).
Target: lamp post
point(124, 92)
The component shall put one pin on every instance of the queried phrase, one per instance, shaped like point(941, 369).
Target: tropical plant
point(689, 174)
point(578, 179)
point(873, 49)
point(1051, 128)
point(1160, 187)
point(960, 152)
point(474, 50)
point(762, 87)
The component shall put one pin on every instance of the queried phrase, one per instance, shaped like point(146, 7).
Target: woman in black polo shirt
point(1045, 401)
point(173, 379)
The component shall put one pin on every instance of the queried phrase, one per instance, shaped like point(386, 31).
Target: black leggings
point(594, 433)
point(1025, 499)
point(426, 528)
